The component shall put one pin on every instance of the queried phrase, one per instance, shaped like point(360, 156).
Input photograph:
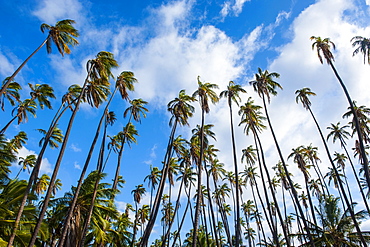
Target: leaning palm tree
point(362, 46)
point(138, 192)
point(205, 93)
point(265, 86)
point(67, 101)
point(323, 47)
point(11, 93)
point(62, 35)
point(124, 83)
point(181, 111)
point(302, 95)
point(232, 95)
point(98, 69)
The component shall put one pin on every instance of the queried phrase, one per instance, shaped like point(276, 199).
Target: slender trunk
point(348, 204)
point(80, 181)
point(199, 185)
point(357, 179)
point(157, 200)
point(34, 173)
point(11, 78)
point(237, 222)
point(357, 125)
point(92, 203)
point(56, 168)
point(295, 195)
point(2, 131)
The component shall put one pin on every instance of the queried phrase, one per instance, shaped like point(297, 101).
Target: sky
point(167, 44)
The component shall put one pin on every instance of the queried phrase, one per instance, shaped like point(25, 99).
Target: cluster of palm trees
point(192, 195)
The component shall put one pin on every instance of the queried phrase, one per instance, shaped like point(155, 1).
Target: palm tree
point(336, 229)
point(181, 110)
point(125, 82)
point(205, 93)
point(62, 35)
point(67, 100)
point(153, 179)
point(21, 112)
point(232, 95)
point(138, 192)
point(323, 46)
point(339, 133)
point(363, 46)
point(26, 163)
point(265, 86)
point(11, 93)
point(97, 69)
point(302, 95)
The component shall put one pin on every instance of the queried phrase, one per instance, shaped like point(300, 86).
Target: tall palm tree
point(11, 93)
point(97, 69)
point(302, 95)
point(181, 111)
point(339, 133)
point(67, 100)
point(62, 35)
point(265, 86)
point(204, 93)
point(232, 95)
point(323, 47)
point(124, 83)
point(362, 46)
point(138, 192)
point(26, 163)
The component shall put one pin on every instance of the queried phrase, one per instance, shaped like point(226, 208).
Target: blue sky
point(167, 44)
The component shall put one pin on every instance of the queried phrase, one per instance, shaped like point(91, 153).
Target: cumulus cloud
point(51, 11)
point(232, 7)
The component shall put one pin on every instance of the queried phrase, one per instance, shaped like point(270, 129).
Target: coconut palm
point(11, 93)
point(21, 112)
point(26, 163)
point(205, 94)
point(323, 47)
point(265, 86)
point(62, 35)
point(97, 69)
point(137, 193)
point(339, 133)
point(96, 94)
point(67, 100)
point(232, 95)
point(362, 46)
point(181, 111)
point(336, 229)
point(302, 95)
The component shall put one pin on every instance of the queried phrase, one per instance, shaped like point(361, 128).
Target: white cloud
point(232, 7)
point(6, 67)
point(76, 165)
point(51, 11)
point(75, 148)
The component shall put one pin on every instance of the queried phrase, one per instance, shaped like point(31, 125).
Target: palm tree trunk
point(157, 200)
point(357, 125)
point(34, 174)
point(295, 195)
point(2, 131)
point(199, 185)
point(11, 78)
point(348, 204)
point(82, 175)
point(57, 165)
point(357, 179)
point(237, 222)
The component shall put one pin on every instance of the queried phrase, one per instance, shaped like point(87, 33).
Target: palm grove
point(255, 203)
